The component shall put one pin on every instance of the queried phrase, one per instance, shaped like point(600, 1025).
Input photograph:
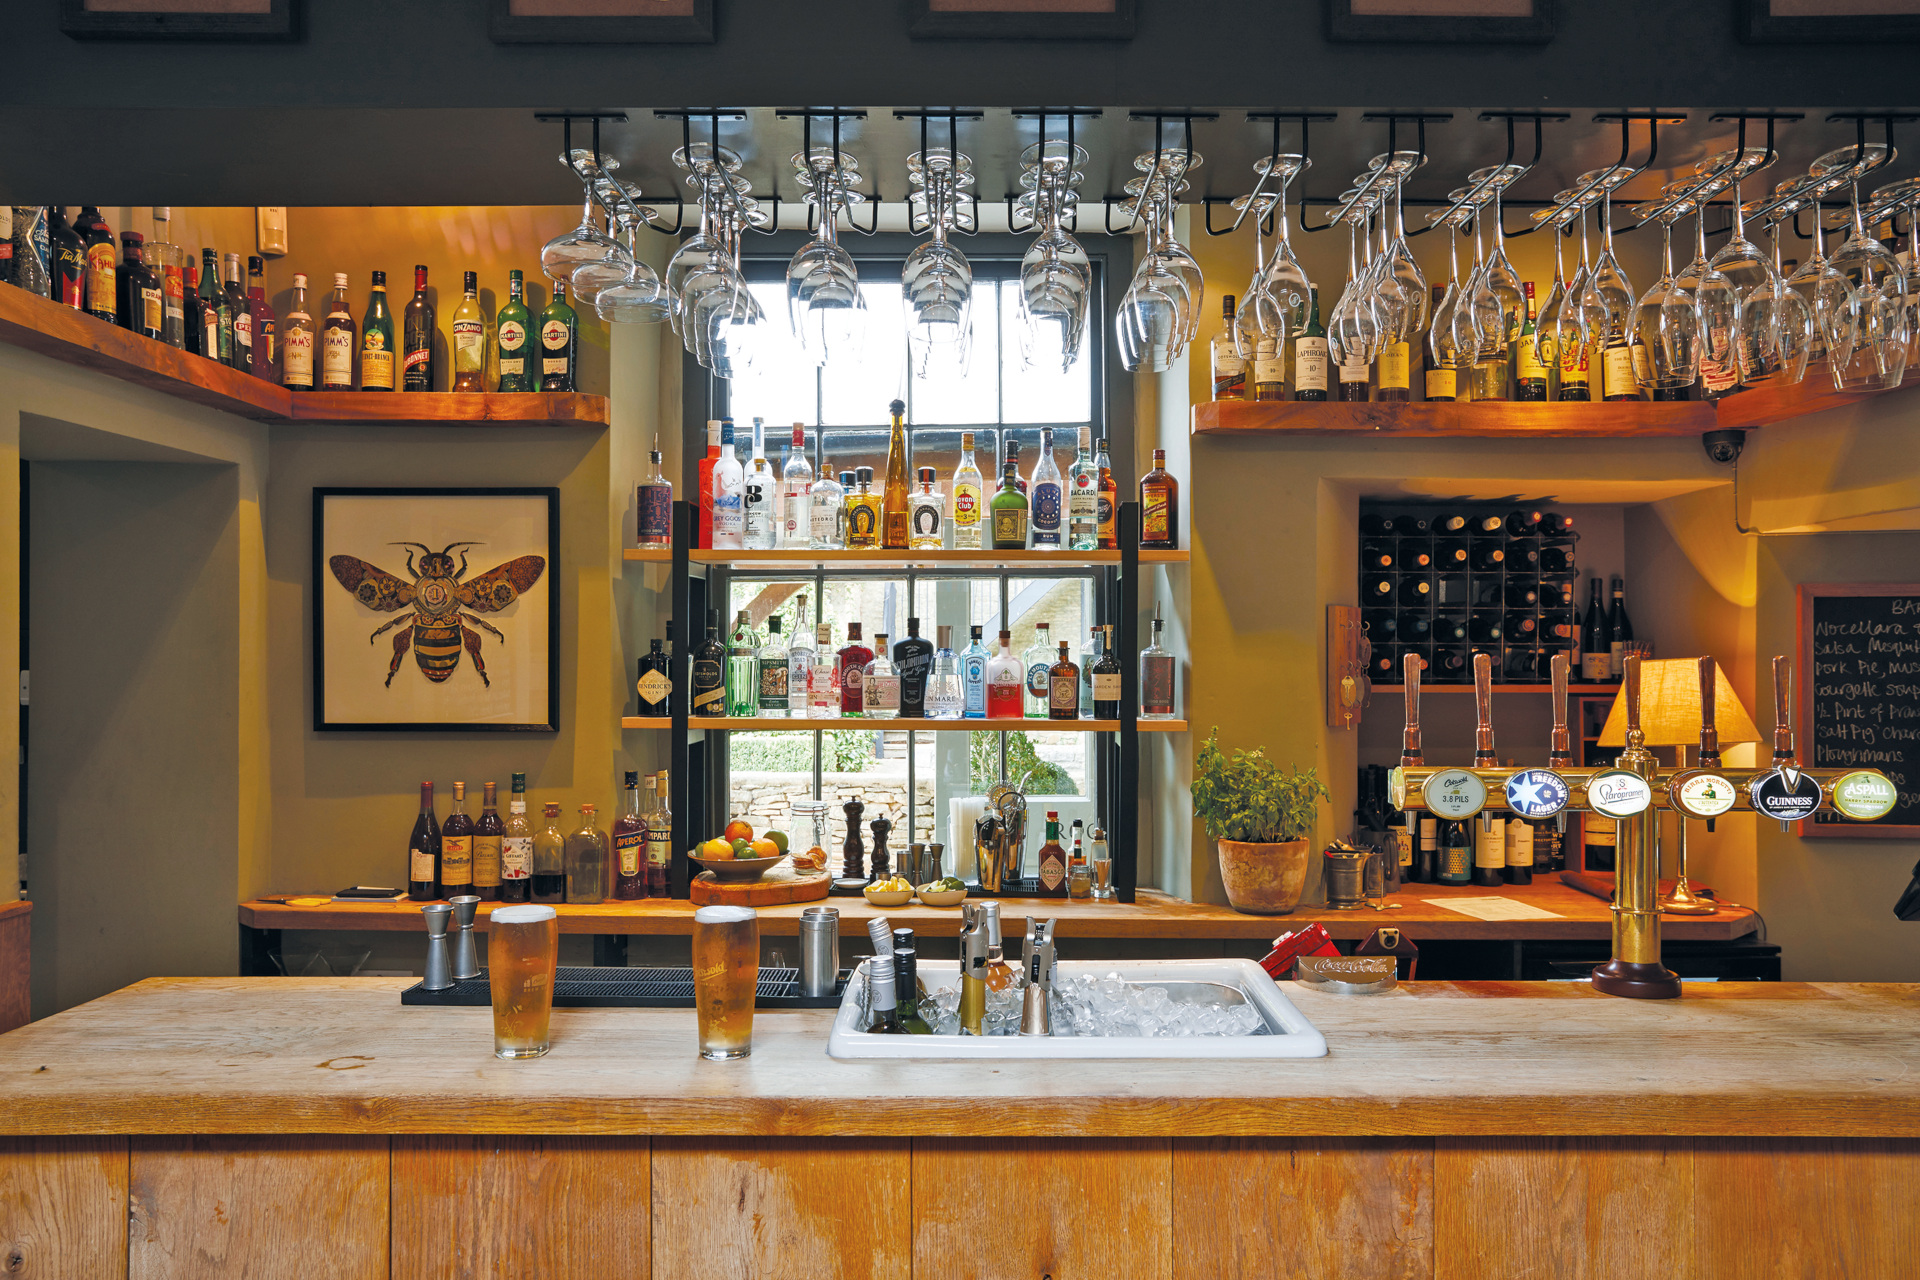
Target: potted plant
point(1259, 819)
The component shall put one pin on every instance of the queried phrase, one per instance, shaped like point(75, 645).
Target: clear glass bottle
point(655, 502)
point(1096, 648)
point(846, 506)
point(880, 683)
point(775, 672)
point(660, 840)
point(586, 861)
point(743, 668)
point(1006, 679)
point(759, 495)
point(863, 513)
point(945, 699)
point(801, 658)
point(1037, 663)
point(823, 684)
point(825, 500)
point(549, 858)
point(1229, 367)
point(1156, 679)
point(927, 511)
point(1083, 496)
point(796, 494)
point(1046, 498)
point(729, 494)
point(968, 503)
point(1107, 501)
point(296, 358)
point(973, 676)
point(469, 337)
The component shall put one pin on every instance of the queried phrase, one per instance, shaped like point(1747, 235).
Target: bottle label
point(1617, 658)
point(825, 523)
point(297, 364)
point(1156, 686)
point(1616, 367)
point(1156, 514)
point(101, 271)
point(174, 289)
point(1453, 863)
point(516, 857)
point(1353, 370)
point(926, 520)
point(513, 335)
point(486, 861)
point(553, 335)
point(1040, 680)
point(973, 678)
point(1106, 686)
point(376, 363)
point(882, 693)
point(1596, 667)
point(773, 683)
point(1490, 849)
point(656, 512)
point(1520, 844)
point(1440, 384)
point(419, 866)
point(655, 687)
point(336, 357)
point(1396, 365)
point(1010, 527)
point(1046, 513)
point(456, 860)
point(1053, 867)
point(153, 309)
point(556, 366)
point(243, 329)
point(1229, 372)
point(708, 688)
point(1066, 694)
point(1103, 517)
point(1527, 365)
point(628, 847)
point(860, 522)
point(1310, 364)
point(966, 504)
point(1269, 367)
point(1083, 504)
point(659, 845)
point(851, 676)
point(417, 360)
point(729, 515)
point(469, 346)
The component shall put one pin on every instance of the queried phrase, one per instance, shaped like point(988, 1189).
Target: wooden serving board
point(778, 885)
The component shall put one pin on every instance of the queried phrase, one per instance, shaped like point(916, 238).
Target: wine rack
point(1447, 582)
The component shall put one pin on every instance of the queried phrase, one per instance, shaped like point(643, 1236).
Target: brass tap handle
point(1636, 737)
point(1709, 731)
point(1782, 710)
point(1483, 707)
point(1410, 745)
point(1561, 754)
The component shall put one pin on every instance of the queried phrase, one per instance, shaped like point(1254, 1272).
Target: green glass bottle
point(1008, 511)
point(559, 341)
point(510, 330)
point(1311, 355)
point(376, 340)
point(906, 982)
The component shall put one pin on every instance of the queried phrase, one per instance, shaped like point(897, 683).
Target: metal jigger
point(439, 972)
point(466, 962)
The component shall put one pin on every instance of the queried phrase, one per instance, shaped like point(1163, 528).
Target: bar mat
point(619, 988)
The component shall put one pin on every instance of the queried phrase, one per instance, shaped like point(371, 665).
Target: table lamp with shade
point(1672, 691)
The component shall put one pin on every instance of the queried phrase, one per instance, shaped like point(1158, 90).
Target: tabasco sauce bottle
point(1053, 860)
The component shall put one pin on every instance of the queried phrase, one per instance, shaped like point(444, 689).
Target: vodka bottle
point(796, 495)
point(759, 496)
point(729, 494)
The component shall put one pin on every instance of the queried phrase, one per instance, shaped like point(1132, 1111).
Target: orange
point(738, 829)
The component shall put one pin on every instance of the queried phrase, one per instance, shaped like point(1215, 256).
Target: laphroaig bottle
point(296, 350)
point(968, 506)
point(376, 340)
point(337, 339)
point(417, 325)
point(516, 846)
point(510, 336)
point(1310, 355)
point(1229, 369)
point(469, 338)
point(559, 342)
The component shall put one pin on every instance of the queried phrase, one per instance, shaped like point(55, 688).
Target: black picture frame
point(280, 23)
point(329, 595)
point(506, 27)
point(924, 23)
point(1758, 25)
point(1344, 26)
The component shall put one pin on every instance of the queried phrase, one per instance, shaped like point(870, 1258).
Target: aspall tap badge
point(1785, 793)
point(1454, 794)
point(1616, 793)
point(1864, 795)
point(1537, 793)
point(1699, 793)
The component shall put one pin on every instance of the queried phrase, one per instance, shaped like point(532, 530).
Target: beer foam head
point(522, 915)
point(722, 915)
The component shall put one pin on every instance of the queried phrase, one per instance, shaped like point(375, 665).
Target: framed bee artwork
point(436, 610)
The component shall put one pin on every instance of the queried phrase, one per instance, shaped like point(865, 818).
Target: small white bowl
point(887, 897)
point(942, 897)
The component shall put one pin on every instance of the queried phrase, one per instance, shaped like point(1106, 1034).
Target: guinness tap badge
point(1699, 793)
point(1616, 793)
point(1454, 793)
point(1786, 793)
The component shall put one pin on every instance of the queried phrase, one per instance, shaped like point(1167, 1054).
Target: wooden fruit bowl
point(736, 870)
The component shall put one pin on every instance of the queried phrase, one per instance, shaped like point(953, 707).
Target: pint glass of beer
point(726, 973)
point(523, 946)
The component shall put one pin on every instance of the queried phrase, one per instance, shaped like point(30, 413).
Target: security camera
point(1724, 446)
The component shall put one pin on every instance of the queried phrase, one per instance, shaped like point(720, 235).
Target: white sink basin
point(1289, 1034)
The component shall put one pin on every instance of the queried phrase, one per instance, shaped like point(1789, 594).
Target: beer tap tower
point(1633, 792)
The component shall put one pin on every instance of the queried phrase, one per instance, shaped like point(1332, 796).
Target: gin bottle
point(1083, 497)
point(1046, 498)
point(796, 495)
point(1005, 678)
point(758, 495)
point(823, 681)
point(1156, 679)
point(1038, 664)
point(973, 677)
point(743, 668)
point(881, 682)
point(945, 700)
point(654, 501)
point(826, 498)
point(968, 498)
point(776, 671)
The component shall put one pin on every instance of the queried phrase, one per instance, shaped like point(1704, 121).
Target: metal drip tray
point(617, 988)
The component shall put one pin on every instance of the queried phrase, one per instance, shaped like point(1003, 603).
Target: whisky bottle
point(487, 833)
point(1229, 369)
point(1310, 354)
point(1395, 372)
point(1530, 372)
point(516, 846)
point(1574, 386)
point(1270, 369)
point(1440, 374)
point(1617, 377)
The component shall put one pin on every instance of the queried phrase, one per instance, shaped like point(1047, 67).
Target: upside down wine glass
point(1666, 346)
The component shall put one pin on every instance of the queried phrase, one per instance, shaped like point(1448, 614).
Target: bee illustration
point(437, 596)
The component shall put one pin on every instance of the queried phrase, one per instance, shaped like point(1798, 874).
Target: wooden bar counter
point(303, 1127)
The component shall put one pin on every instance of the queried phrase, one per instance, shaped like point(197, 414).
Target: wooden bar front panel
point(63, 1208)
point(1846, 1210)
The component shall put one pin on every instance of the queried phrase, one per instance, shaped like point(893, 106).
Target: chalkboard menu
point(1859, 696)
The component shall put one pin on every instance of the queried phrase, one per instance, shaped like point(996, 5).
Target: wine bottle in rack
point(1414, 591)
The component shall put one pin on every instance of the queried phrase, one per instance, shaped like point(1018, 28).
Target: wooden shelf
point(804, 724)
point(1764, 405)
point(1573, 690)
point(937, 559)
point(451, 408)
point(650, 555)
point(646, 722)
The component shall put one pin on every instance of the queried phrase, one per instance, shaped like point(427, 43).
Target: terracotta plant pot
point(1263, 879)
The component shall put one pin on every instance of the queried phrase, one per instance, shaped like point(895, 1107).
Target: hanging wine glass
point(1589, 301)
point(1715, 297)
point(1776, 322)
point(1825, 290)
point(1152, 322)
point(1467, 307)
point(590, 277)
point(1554, 332)
point(1399, 276)
point(586, 242)
point(639, 296)
point(1899, 196)
point(1260, 322)
point(1354, 331)
point(1500, 279)
point(1440, 341)
point(1666, 326)
point(1874, 315)
point(1286, 281)
point(1056, 276)
point(824, 303)
point(1609, 279)
point(936, 281)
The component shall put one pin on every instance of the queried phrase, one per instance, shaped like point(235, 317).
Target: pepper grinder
point(880, 827)
point(466, 963)
point(439, 972)
point(852, 853)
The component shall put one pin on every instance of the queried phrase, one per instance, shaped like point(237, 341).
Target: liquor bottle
point(1053, 860)
point(906, 980)
point(516, 846)
point(417, 328)
point(1229, 367)
point(1013, 456)
point(826, 505)
point(851, 661)
point(469, 337)
point(1083, 496)
point(927, 508)
point(759, 491)
point(823, 679)
point(1008, 511)
point(895, 520)
point(165, 261)
point(945, 699)
point(510, 326)
point(913, 660)
point(967, 499)
point(708, 677)
point(774, 672)
point(654, 503)
point(1106, 502)
point(1005, 681)
point(1488, 557)
point(881, 981)
point(559, 342)
point(1395, 372)
point(864, 512)
point(1355, 375)
point(1529, 371)
point(140, 306)
point(743, 668)
point(630, 844)
point(296, 359)
point(729, 494)
point(796, 494)
point(1574, 375)
point(1440, 374)
point(1454, 864)
point(339, 336)
point(1104, 682)
point(423, 851)
point(660, 841)
point(456, 847)
point(586, 860)
point(376, 340)
point(1520, 852)
point(1489, 851)
point(102, 291)
point(1156, 677)
point(1064, 688)
point(1619, 629)
point(880, 683)
point(1047, 499)
point(973, 676)
point(487, 834)
point(1269, 373)
point(1490, 367)
point(1310, 356)
point(1037, 664)
point(240, 318)
point(801, 660)
point(266, 337)
point(549, 858)
point(704, 482)
point(1617, 380)
point(68, 260)
point(1596, 639)
point(1159, 507)
point(202, 323)
point(1426, 854)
